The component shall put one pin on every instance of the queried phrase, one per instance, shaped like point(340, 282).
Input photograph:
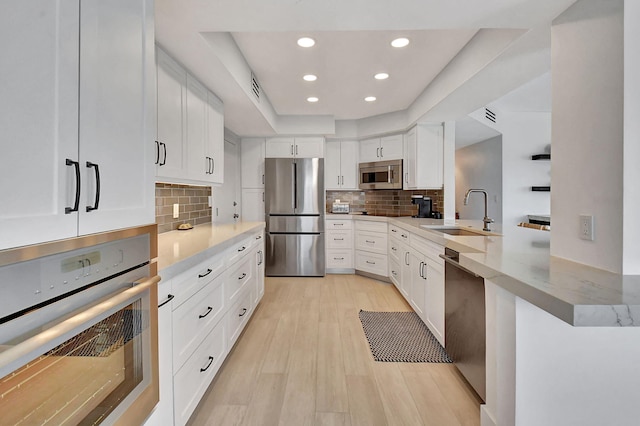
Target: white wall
point(587, 158)
point(480, 166)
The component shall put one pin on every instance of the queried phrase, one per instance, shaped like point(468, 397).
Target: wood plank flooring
point(303, 359)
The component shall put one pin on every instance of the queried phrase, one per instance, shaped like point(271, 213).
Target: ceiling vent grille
point(255, 87)
point(490, 115)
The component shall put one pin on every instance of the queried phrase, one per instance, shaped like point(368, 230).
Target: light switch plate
point(176, 210)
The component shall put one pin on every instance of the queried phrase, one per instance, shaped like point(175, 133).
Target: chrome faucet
point(487, 220)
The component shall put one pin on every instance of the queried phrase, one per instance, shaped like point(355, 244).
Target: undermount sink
point(459, 231)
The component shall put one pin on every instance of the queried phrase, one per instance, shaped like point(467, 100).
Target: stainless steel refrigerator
point(294, 211)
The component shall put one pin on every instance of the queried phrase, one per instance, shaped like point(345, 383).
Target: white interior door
point(225, 205)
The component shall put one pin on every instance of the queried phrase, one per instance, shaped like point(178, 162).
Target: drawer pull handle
point(338, 239)
point(244, 311)
point(202, 370)
point(394, 272)
point(394, 230)
point(371, 263)
point(338, 224)
point(169, 299)
point(404, 235)
point(209, 309)
point(394, 249)
point(242, 249)
point(338, 258)
point(205, 274)
point(370, 242)
point(242, 276)
point(258, 237)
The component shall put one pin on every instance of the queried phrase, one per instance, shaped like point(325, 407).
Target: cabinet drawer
point(237, 251)
point(237, 317)
point(395, 272)
point(372, 241)
point(366, 225)
point(339, 224)
point(339, 239)
point(195, 318)
point(371, 262)
point(239, 278)
point(395, 249)
point(190, 282)
point(427, 248)
point(193, 379)
point(339, 259)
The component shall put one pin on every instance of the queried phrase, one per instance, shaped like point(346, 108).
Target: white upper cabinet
point(79, 128)
point(381, 149)
point(252, 151)
point(424, 147)
point(298, 147)
point(214, 148)
point(170, 146)
point(190, 139)
point(197, 166)
point(341, 165)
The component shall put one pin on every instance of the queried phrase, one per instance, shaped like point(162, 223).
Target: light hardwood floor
point(303, 359)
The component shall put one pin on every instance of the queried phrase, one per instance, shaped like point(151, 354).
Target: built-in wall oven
point(78, 330)
point(381, 175)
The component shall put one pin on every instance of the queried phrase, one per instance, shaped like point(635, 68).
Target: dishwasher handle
point(450, 260)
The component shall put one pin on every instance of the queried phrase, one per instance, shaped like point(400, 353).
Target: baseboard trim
point(486, 419)
point(374, 276)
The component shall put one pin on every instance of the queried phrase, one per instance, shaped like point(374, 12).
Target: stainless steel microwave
point(381, 175)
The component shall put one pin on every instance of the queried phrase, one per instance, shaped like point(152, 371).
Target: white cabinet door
point(309, 147)
point(418, 290)
point(171, 148)
point(214, 149)
point(117, 115)
point(424, 147)
point(198, 165)
point(332, 171)
point(253, 204)
point(348, 165)
point(280, 148)
point(252, 162)
point(391, 148)
point(39, 120)
point(435, 298)
point(370, 150)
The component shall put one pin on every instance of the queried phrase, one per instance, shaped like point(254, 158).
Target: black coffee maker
point(424, 205)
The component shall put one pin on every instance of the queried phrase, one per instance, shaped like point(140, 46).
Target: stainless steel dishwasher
point(464, 321)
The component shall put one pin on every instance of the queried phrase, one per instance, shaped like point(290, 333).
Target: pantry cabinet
point(252, 151)
point(341, 165)
point(81, 123)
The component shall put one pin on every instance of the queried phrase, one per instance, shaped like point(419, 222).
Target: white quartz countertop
point(180, 250)
point(519, 261)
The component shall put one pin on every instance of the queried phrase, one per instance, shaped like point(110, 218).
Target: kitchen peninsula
point(562, 337)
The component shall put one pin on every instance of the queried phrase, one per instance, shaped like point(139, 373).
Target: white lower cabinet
point(339, 245)
point(371, 247)
point(193, 379)
point(209, 306)
point(418, 272)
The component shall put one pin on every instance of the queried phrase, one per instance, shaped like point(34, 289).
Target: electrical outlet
point(586, 227)
point(176, 210)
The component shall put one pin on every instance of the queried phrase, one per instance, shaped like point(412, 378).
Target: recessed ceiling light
point(309, 77)
point(306, 42)
point(381, 76)
point(400, 42)
point(370, 98)
point(312, 99)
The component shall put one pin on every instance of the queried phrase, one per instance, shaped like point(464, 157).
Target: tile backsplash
point(385, 202)
point(193, 202)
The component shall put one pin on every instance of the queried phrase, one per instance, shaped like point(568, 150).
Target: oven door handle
point(16, 356)
point(452, 262)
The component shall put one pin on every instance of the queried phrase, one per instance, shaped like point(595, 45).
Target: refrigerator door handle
point(295, 186)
